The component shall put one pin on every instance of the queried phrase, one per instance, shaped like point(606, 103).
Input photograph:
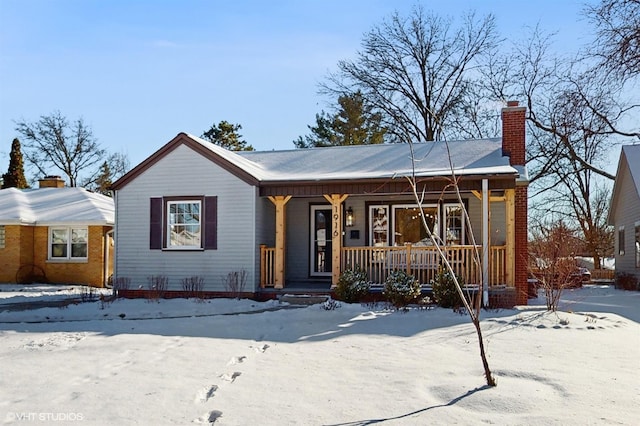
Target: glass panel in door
point(320, 241)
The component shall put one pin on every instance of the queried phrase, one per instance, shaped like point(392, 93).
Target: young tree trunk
point(474, 312)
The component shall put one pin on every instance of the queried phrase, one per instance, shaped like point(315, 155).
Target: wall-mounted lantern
point(350, 219)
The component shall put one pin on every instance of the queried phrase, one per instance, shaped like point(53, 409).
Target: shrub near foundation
point(353, 285)
point(626, 281)
point(444, 289)
point(400, 289)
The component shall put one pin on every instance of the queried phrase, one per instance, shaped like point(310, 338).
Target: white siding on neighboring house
point(183, 172)
point(626, 214)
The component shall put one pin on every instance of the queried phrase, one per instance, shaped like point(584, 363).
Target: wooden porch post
point(279, 201)
point(336, 239)
point(485, 242)
point(510, 207)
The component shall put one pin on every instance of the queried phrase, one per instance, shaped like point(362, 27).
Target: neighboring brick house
point(624, 212)
point(56, 234)
point(294, 220)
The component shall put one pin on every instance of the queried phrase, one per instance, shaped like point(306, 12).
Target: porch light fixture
point(350, 218)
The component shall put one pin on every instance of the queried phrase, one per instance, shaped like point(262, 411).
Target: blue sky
point(140, 72)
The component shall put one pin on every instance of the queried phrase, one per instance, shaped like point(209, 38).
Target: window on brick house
point(68, 243)
point(2, 237)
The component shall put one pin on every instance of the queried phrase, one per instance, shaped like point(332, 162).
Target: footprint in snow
point(213, 416)
point(230, 377)
point(209, 418)
point(261, 349)
point(206, 393)
point(236, 360)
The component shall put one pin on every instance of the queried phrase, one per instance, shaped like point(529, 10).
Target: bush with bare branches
point(235, 282)
point(193, 287)
point(158, 285)
point(119, 284)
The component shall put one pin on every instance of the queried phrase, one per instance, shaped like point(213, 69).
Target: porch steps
point(303, 299)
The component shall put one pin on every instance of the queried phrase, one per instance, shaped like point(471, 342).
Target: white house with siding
point(295, 219)
point(624, 213)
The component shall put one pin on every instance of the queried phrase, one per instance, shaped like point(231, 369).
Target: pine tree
point(355, 123)
point(103, 181)
point(226, 135)
point(14, 178)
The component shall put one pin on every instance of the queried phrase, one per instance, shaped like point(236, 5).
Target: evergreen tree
point(14, 178)
point(355, 123)
point(103, 180)
point(322, 134)
point(226, 135)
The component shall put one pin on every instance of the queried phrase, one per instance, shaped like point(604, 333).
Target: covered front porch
point(329, 234)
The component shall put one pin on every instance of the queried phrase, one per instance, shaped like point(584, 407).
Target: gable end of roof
point(629, 161)
point(183, 139)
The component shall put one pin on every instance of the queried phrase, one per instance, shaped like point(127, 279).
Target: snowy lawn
point(239, 362)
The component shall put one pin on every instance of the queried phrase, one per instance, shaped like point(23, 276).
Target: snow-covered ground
point(239, 362)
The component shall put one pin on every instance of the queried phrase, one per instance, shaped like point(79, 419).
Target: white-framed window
point(184, 224)
point(453, 224)
point(67, 243)
point(407, 223)
point(2, 237)
point(621, 240)
point(379, 220)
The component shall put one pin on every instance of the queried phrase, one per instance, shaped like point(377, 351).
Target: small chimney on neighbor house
point(51, 182)
point(513, 132)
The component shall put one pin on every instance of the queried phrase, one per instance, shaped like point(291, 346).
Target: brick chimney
point(513, 145)
point(51, 182)
point(513, 119)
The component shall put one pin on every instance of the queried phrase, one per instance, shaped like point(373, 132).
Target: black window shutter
point(210, 223)
point(155, 224)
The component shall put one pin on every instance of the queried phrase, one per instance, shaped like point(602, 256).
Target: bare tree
point(115, 166)
point(54, 142)
point(473, 305)
point(574, 121)
point(552, 262)
point(617, 43)
point(418, 71)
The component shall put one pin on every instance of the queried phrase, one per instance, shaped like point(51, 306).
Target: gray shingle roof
point(469, 157)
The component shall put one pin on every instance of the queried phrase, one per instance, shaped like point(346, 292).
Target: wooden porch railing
point(421, 262)
point(267, 266)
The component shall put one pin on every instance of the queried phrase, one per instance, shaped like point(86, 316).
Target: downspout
point(106, 257)
point(114, 231)
point(485, 242)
